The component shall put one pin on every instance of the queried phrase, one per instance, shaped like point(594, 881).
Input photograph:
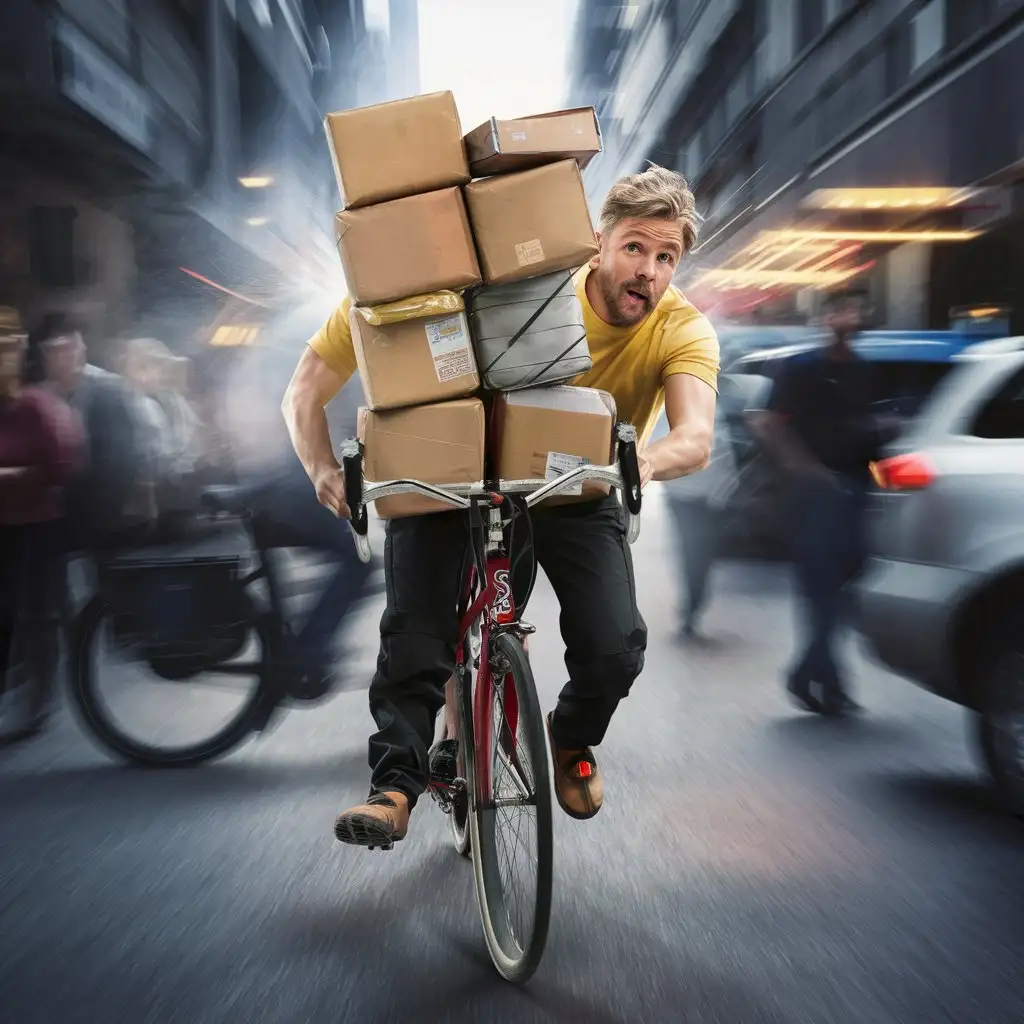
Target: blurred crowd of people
point(90, 460)
point(95, 462)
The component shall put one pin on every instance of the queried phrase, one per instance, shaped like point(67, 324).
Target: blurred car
point(738, 340)
point(909, 365)
point(942, 600)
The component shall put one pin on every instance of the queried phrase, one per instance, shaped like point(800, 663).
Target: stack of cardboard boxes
point(422, 244)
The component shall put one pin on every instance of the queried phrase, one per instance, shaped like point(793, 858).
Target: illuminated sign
point(234, 336)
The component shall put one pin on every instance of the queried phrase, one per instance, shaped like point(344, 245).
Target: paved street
point(751, 864)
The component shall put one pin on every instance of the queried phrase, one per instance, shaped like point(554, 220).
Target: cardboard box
point(498, 147)
point(437, 444)
point(391, 150)
point(414, 362)
point(531, 223)
point(407, 247)
point(541, 433)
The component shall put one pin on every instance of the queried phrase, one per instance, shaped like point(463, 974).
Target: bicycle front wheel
point(511, 815)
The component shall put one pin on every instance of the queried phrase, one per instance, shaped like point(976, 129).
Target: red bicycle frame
point(495, 607)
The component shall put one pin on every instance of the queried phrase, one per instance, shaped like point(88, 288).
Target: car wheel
point(1000, 723)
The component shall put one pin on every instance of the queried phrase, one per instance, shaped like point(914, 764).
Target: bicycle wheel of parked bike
point(167, 705)
point(511, 816)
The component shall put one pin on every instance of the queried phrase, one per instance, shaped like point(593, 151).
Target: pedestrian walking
point(819, 425)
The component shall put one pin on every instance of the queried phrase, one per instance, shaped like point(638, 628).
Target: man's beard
point(613, 294)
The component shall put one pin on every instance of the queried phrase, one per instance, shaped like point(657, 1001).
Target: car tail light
point(911, 472)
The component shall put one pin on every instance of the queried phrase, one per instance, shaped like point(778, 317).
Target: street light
point(256, 181)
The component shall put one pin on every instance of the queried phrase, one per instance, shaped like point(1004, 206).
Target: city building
point(161, 158)
point(827, 141)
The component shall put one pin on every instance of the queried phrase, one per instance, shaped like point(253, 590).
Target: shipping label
point(450, 347)
point(558, 463)
point(530, 252)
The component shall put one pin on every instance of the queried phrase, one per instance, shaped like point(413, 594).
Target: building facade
point(829, 140)
point(160, 157)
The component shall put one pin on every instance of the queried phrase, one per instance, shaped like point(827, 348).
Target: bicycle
point(186, 619)
point(500, 729)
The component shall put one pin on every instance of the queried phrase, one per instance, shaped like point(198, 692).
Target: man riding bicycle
point(650, 348)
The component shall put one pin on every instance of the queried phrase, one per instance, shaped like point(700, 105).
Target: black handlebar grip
point(629, 467)
point(352, 465)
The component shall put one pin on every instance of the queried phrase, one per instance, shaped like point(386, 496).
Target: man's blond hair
point(656, 192)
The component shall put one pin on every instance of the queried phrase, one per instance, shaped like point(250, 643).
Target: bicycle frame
point(494, 607)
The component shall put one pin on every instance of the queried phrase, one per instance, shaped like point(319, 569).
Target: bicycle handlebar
point(623, 475)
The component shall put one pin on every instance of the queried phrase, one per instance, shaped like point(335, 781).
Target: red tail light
point(912, 472)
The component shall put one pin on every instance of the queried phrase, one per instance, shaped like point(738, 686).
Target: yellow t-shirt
point(631, 363)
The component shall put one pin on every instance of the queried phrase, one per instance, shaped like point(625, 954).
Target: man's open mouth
point(638, 296)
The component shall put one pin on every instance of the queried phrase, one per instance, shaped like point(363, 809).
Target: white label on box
point(559, 464)
point(448, 338)
point(530, 252)
point(519, 136)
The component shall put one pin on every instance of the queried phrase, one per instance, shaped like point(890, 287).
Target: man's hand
point(330, 491)
point(646, 470)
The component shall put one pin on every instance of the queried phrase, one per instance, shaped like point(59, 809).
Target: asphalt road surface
point(751, 863)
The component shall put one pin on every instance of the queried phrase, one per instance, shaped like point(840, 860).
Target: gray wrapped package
point(528, 333)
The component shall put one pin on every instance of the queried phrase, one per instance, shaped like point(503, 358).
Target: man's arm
point(312, 386)
point(690, 407)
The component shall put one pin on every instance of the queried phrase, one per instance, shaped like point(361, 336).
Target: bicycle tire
point(459, 822)
point(99, 724)
point(516, 958)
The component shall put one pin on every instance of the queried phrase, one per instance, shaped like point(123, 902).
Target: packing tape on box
point(413, 308)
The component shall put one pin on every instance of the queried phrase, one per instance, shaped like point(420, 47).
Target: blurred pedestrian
point(280, 492)
point(111, 501)
point(820, 426)
point(697, 506)
point(40, 447)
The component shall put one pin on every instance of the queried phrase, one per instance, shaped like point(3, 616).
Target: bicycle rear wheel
point(510, 816)
point(147, 713)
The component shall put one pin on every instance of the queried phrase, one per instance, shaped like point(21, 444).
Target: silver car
point(942, 600)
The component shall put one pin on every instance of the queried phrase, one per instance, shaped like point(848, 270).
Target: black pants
point(32, 582)
point(584, 553)
point(830, 550)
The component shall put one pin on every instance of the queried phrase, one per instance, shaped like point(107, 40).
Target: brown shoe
point(382, 821)
point(578, 784)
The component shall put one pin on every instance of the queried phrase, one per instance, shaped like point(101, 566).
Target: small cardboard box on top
point(397, 149)
point(407, 247)
point(545, 432)
point(531, 223)
point(498, 147)
point(437, 444)
point(415, 360)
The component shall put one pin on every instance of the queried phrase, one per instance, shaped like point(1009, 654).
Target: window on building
point(928, 33)
point(681, 14)
point(1003, 415)
point(897, 58)
point(52, 246)
point(694, 156)
point(737, 98)
point(964, 18)
point(810, 22)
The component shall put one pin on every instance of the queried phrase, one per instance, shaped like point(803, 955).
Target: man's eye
point(665, 257)
point(632, 247)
